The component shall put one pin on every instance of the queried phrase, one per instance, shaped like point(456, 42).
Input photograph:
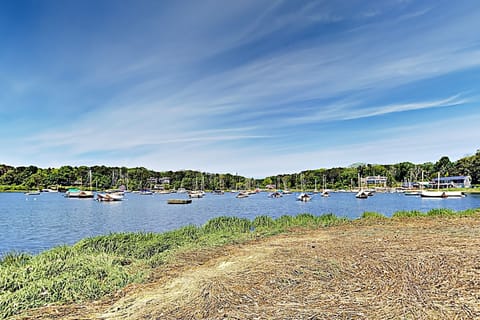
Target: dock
point(179, 201)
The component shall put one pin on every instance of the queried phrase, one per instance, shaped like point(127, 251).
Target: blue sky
point(250, 87)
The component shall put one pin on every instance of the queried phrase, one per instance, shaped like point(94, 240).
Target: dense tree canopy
point(102, 177)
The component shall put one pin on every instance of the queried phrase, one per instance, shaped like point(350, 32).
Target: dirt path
point(414, 269)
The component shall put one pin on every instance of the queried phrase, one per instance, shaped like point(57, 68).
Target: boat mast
point(90, 178)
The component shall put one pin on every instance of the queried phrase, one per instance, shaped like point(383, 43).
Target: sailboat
point(81, 194)
point(361, 194)
point(325, 192)
point(441, 194)
point(304, 197)
point(285, 189)
point(197, 193)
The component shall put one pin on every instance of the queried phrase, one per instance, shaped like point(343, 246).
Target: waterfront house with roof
point(452, 182)
point(375, 181)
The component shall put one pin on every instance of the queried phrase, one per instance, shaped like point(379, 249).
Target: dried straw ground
point(392, 269)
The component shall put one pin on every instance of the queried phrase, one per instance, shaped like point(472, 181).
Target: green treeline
point(102, 177)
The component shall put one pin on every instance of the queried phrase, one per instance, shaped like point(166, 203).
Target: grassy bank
point(98, 266)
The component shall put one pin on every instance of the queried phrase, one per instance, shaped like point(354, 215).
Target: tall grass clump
point(263, 222)
point(408, 214)
point(265, 225)
point(307, 220)
point(284, 222)
point(60, 275)
point(227, 224)
point(469, 212)
point(329, 219)
point(15, 259)
point(372, 215)
point(223, 230)
point(441, 212)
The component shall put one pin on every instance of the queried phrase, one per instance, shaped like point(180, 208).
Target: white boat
point(362, 194)
point(285, 189)
point(276, 194)
point(242, 195)
point(433, 194)
point(76, 193)
point(182, 190)
point(196, 194)
point(442, 194)
point(109, 197)
point(145, 192)
point(304, 197)
point(455, 194)
point(412, 193)
point(32, 193)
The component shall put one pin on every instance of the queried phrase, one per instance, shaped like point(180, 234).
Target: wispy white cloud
point(184, 81)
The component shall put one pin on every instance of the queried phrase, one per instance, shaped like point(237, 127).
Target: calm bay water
point(36, 223)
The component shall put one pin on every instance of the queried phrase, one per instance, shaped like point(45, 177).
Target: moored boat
point(276, 194)
point(242, 195)
point(304, 197)
point(362, 194)
point(412, 193)
point(196, 194)
point(109, 197)
point(32, 193)
point(77, 193)
point(179, 201)
point(442, 194)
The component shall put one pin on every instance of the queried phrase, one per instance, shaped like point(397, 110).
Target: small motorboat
point(32, 193)
point(362, 194)
point(304, 197)
point(196, 194)
point(275, 194)
point(76, 193)
point(109, 197)
point(242, 195)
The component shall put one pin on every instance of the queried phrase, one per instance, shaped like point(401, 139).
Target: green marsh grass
point(98, 266)
point(441, 212)
point(408, 214)
point(372, 215)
